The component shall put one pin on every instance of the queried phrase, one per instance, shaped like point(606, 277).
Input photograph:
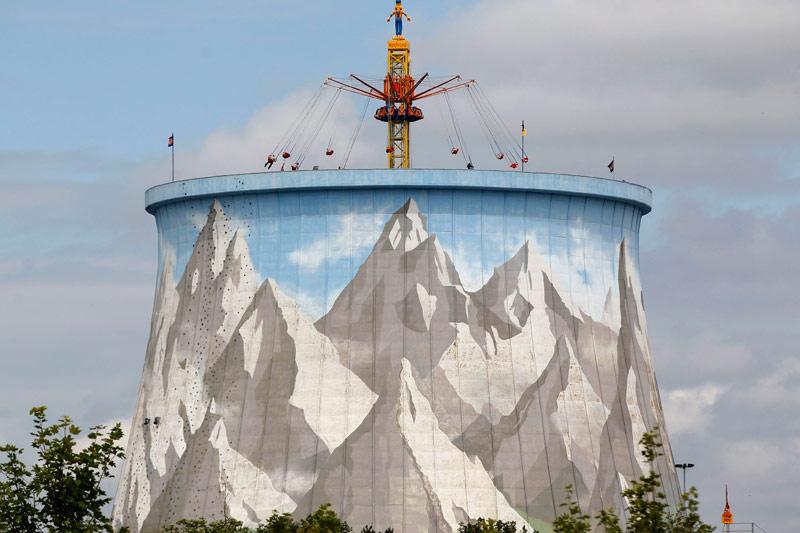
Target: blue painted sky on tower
point(698, 101)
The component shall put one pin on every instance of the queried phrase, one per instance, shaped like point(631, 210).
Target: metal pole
point(523, 146)
point(173, 157)
point(684, 467)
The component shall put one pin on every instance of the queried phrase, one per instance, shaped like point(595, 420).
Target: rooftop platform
point(316, 180)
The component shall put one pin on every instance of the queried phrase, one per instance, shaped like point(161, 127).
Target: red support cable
point(383, 94)
point(331, 82)
point(423, 93)
point(428, 94)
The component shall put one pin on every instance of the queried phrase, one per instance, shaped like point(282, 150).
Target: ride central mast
point(399, 93)
point(398, 87)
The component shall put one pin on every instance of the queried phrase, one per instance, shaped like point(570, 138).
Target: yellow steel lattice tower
point(399, 85)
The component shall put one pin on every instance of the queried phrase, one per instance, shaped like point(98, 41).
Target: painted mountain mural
point(413, 403)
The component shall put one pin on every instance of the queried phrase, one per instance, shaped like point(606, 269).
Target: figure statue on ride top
point(398, 15)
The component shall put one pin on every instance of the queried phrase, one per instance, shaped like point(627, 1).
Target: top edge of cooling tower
point(316, 180)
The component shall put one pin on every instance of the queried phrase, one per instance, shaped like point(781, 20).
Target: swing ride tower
point(398, 76)
point(400, 91)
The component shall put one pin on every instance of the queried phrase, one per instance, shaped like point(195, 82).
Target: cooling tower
point(417, 348)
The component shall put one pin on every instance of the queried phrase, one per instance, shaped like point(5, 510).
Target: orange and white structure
point(400, 91)
point(727, 514)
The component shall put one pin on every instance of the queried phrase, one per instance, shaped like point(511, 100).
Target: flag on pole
point(611, 166)
point(171, 145)
point(524, 131)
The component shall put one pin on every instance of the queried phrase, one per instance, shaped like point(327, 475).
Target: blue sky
point(113, 77)
point(697, 100)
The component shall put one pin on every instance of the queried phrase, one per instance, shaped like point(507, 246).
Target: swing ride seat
point(412, 115)
point(329, 152)
point(454, 151)
point(286, 155)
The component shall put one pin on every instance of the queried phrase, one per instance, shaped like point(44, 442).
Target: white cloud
point(762, 459)
point(243, 150)
point(779, 388)
point(689, 410)
point(83, 440)
point(341, 243)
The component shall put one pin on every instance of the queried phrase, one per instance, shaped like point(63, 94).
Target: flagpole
point(523, 146)
point(173, 156)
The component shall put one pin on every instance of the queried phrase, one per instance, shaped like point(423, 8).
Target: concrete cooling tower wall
point(416, 348)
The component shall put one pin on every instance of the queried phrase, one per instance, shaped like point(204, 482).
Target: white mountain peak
point(515, 284)
point(406, 229)
point(347, 399)
point(218, 232)
point(238, 263)
point(529, 259)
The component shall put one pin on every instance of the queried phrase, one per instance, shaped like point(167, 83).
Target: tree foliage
point(487, 525)
point(370, 529)
point(573, 520)
point(228, 525)
point(61, 490)
point(323, 520)
point(647, 510)
point(687, 518)
point(279, 523)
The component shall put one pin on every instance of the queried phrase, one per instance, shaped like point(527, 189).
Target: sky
point(698, 100)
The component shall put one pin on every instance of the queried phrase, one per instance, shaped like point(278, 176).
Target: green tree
point(573, 520)
point(324, 520)
point(484, 525)
point(647, 507)
point(17, 503)
point(279, 523)
point(201, 525)
point(62, 490)
point(609, 521)
point(687, 518)
point(647, 512)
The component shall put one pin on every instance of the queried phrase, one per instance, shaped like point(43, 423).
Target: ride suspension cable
point(457, 128)
point(321, 124)
point(284, 142)
point(510, 138)
point(448, 130)
point(355, 133)
point(305, 129)
point(494, 145)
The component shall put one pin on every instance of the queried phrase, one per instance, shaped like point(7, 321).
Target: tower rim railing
point(431, 178)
